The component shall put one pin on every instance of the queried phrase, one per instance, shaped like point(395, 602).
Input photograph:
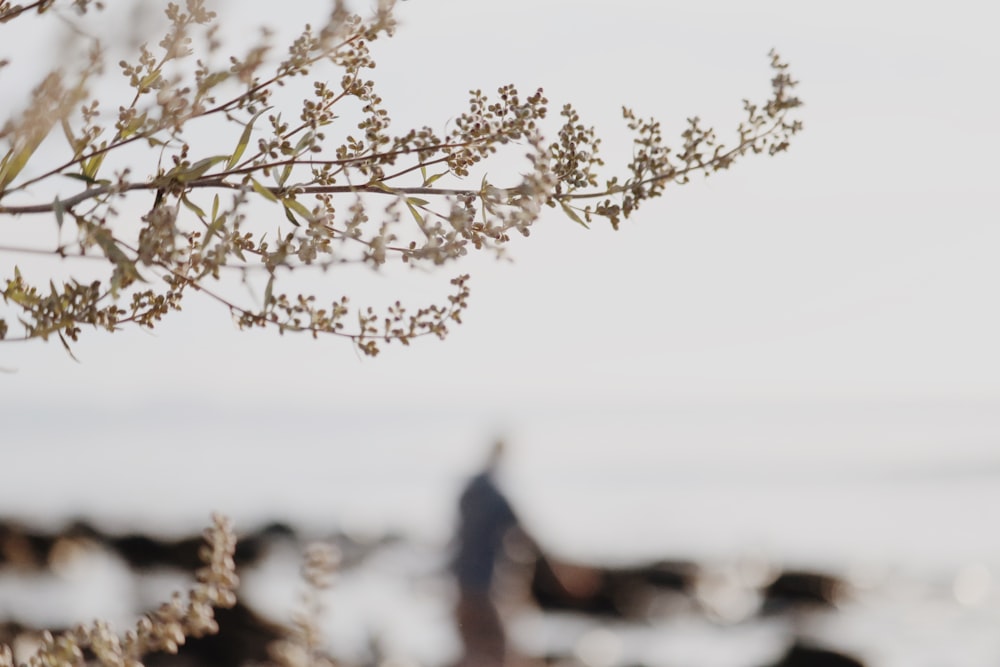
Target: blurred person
point(485, 519)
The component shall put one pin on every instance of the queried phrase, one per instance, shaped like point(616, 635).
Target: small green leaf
point(133, 125)
point(244, 140)
point(214, 79)
point(149, 79)
point(13, 163)
point(125, 271)
point(304, 143)
point(213, 229)
point(285, 172)
point(262, 190)
point(15, 159)
point(198, 169)
point(568, 210)
point(429, 180)
point(379, 185)
point(298, 207)
point(83, 177)
point(70, 138)
point(215, 224)
point(60, 211)
point(414, 212)
point(92, 164)
point(194, 207)
point(288, 214)
point(107, 242)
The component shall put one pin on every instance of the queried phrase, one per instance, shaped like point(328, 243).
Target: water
point(897, 483)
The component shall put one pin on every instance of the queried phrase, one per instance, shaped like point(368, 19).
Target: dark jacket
point(485, 516)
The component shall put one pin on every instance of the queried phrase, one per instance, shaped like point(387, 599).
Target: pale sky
point(855, 275)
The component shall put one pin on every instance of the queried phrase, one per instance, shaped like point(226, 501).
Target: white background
point(764, 360)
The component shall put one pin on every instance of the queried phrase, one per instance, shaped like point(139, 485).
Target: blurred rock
point(796, 591)
point(625, 593)
point(244, 638)
point(803, 655)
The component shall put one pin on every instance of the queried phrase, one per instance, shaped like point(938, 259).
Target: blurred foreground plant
point(165, 629)
point(338, 191)
point(304, 645)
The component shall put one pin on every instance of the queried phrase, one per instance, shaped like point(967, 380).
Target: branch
point(16, 11)
point(218, 182)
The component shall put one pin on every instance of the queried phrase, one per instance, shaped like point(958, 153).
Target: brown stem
point(14, 12)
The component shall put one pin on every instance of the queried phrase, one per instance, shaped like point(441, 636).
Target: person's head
point(496, 454)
